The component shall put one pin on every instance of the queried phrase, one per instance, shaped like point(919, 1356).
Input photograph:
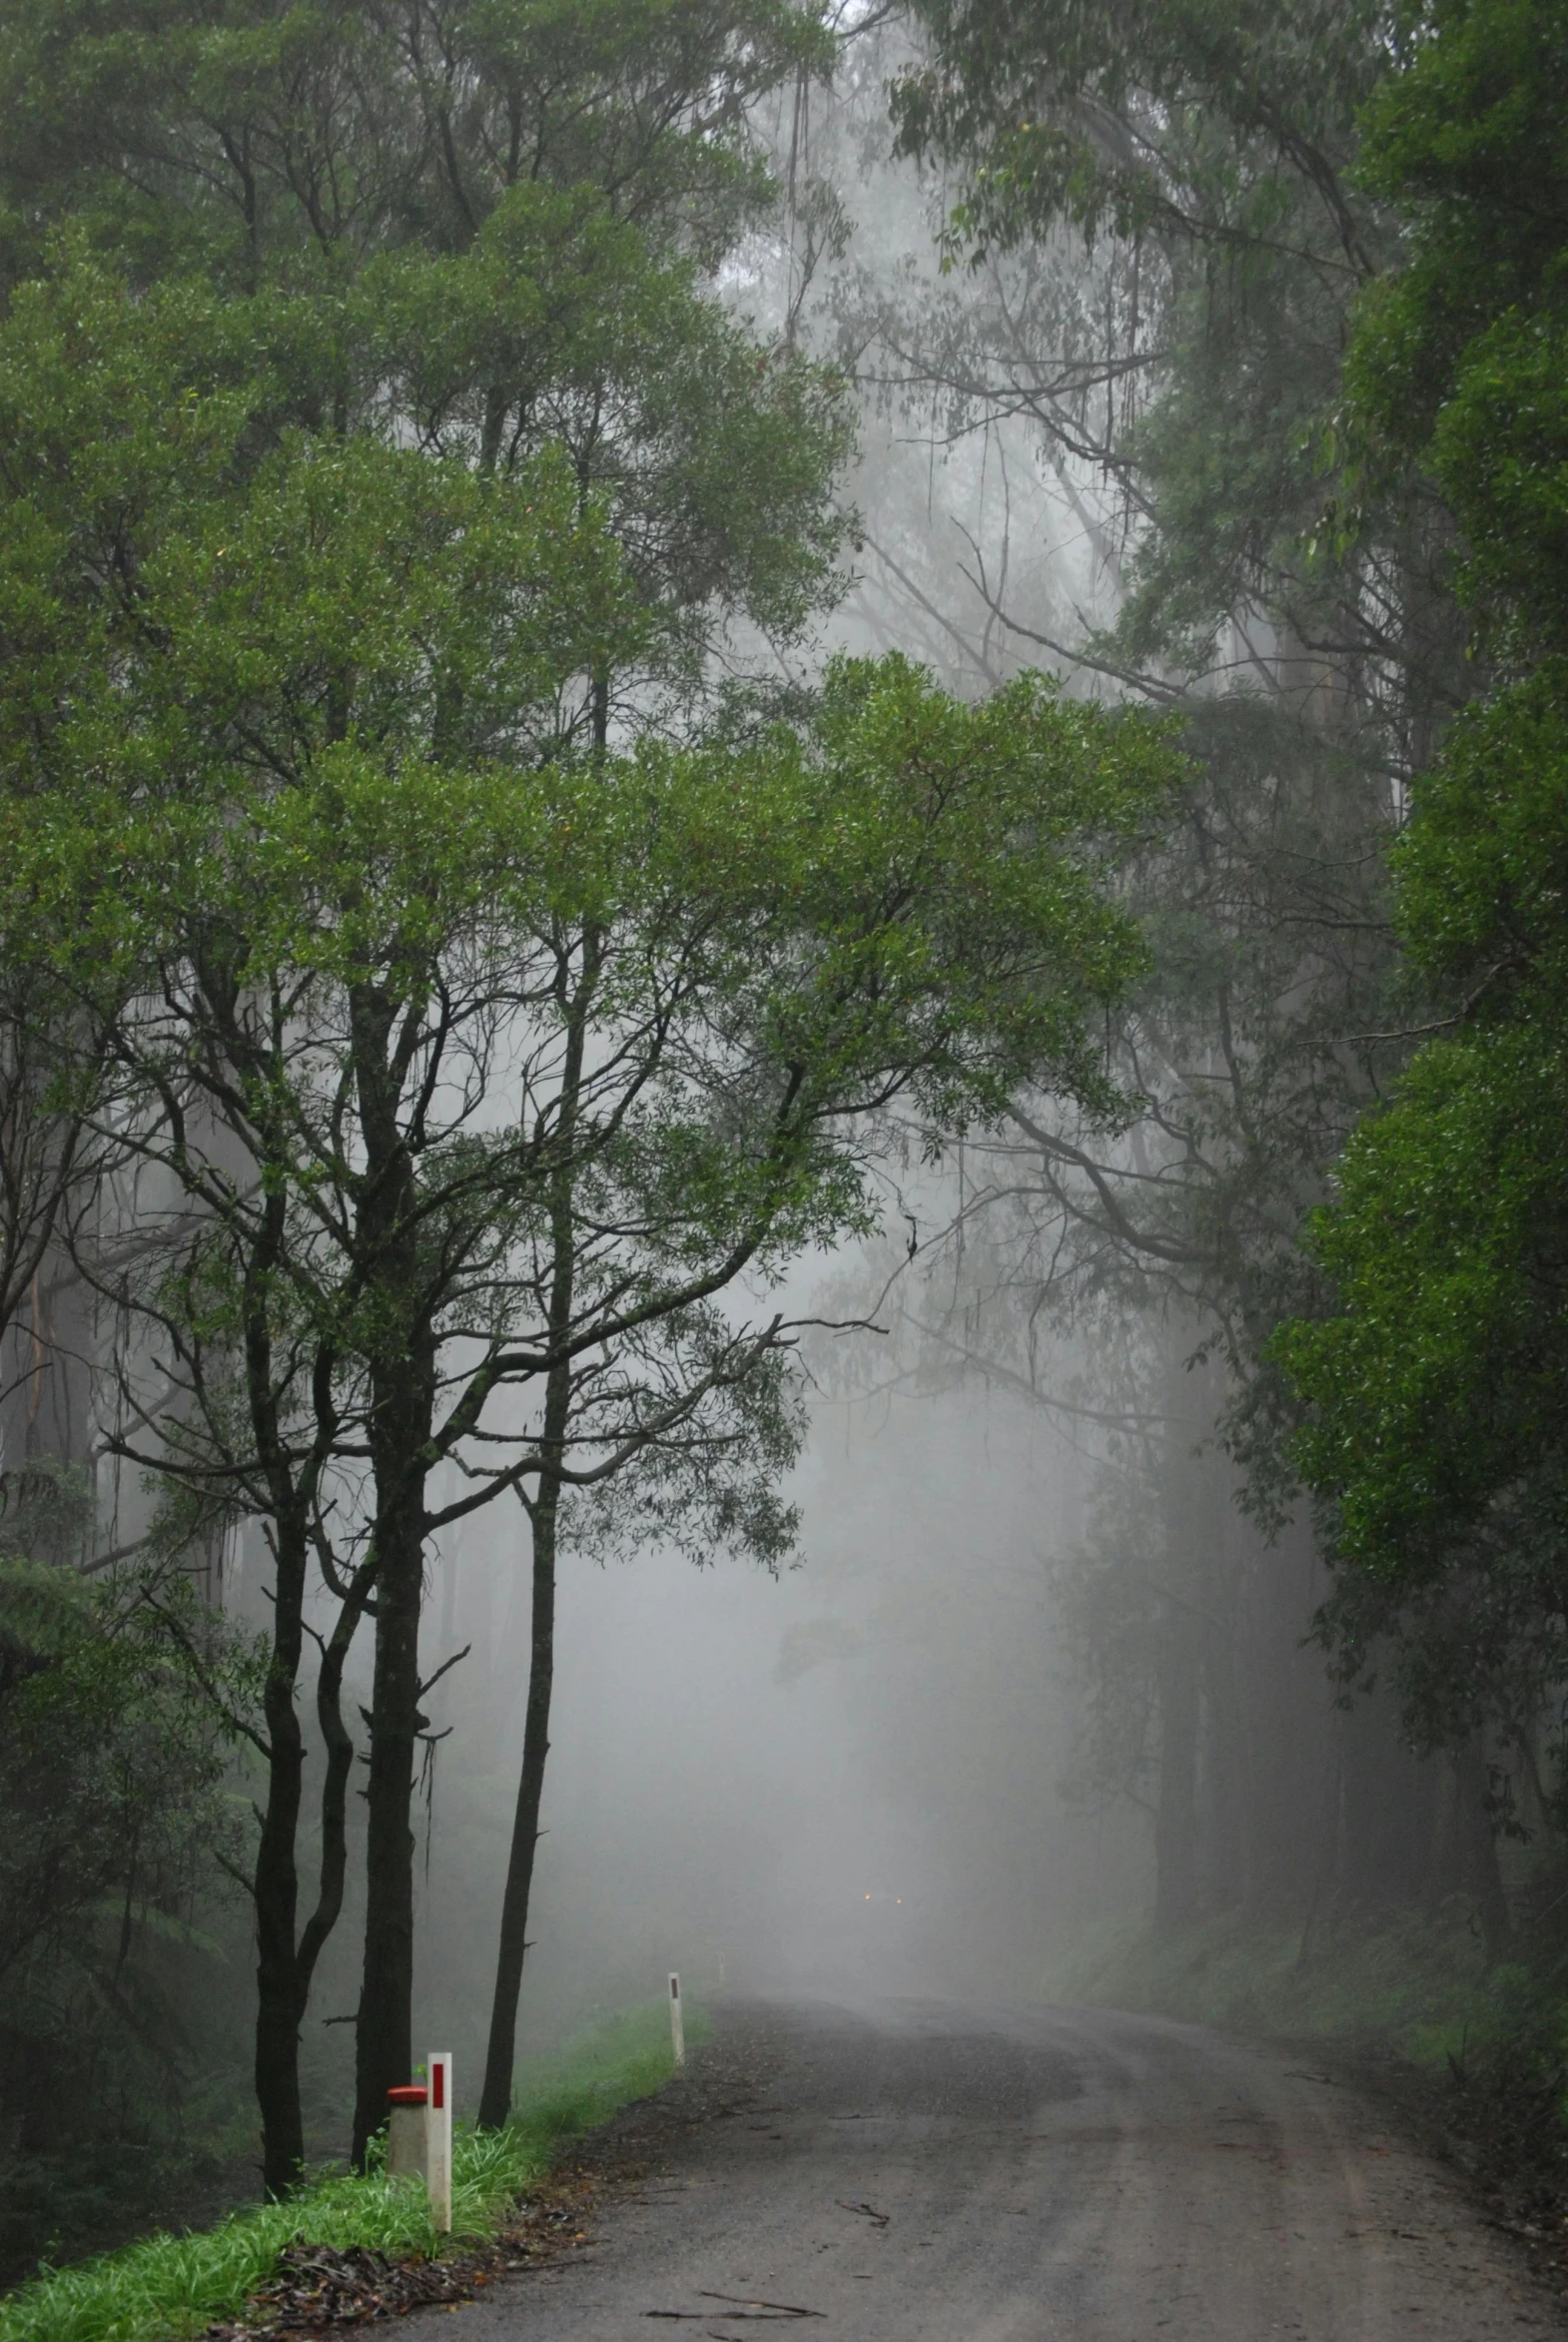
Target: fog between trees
point(962, 1216)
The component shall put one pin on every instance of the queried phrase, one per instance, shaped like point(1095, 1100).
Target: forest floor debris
point(1501, 2128)
point(1399, 2005)
point(318, 2289)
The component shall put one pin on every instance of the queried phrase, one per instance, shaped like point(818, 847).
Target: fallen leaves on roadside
point(316, 2286)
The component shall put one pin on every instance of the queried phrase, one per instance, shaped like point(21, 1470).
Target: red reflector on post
point(409, 2094)
point(438, 2085)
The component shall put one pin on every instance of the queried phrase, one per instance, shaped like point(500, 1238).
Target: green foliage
point(1438, 1382)
point(118, 1969)
point(1438, 1411)
point(1473, 115)
point(174, 2285)
point(1414, 1980)
point(1205, 154)
point(1275, 90)
point(1480, 870)
point(1458, 359)
point(1437, 1387)
point(112, 1777)
point(290, 142)
point(300, 761)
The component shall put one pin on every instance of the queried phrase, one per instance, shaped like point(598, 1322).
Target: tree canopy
point(1437, 1416)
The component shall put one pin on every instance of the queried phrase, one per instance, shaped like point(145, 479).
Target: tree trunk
point(1176, 1821)
point(401, 1421)
point(285, 1970)
point(501, 2055)
point(501, 2051)
point(385, 2033)
point(274, 1885)
point(1227, 1878)
point(1483, 1875)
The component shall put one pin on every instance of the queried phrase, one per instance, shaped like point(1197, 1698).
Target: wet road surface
point(917, 2169)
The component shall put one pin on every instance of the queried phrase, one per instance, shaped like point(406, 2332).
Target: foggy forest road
point(912, 2169)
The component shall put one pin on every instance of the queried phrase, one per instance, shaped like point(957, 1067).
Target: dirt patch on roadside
point(1502, 2133)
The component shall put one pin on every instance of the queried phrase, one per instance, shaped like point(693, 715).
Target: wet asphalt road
point(917, 2169)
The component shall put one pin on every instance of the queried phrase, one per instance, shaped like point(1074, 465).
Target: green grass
point(168, 2286)
point(1414, 1979)
point(1492, 2043)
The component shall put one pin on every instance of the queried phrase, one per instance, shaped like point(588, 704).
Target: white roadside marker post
point(677, 2030)
point(437, 2144)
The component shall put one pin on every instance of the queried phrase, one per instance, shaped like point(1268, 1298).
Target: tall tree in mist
point(392, 967)
point(859, 980)
point(486, 234)
point(1194, 169)
point(1437, 1437)
point(256, 631)
point(1157, 236)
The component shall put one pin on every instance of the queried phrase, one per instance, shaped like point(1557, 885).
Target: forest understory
point(1467, 2056)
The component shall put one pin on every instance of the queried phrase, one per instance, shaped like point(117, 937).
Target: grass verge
point(1476, 2056)
point(169, 2286)
point(1414, 1979)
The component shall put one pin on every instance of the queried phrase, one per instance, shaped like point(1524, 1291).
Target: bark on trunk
point(501, 2055)
point(501, 2051)
point(286, 1965)
point(385, 2033)
point(275, 1884)
point(401, 1415)
point(285, 1969)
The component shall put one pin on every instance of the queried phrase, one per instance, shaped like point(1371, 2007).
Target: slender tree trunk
point(1228, 1880)
point(335, 1783)
point(501, 2055)
point(1176, 1821)
point(385, 2033)
point(285, 1970)
point(1483, 1875)
point(401, 1416)
point(274, 1885)
point(501, 2051)
point(286, 1487)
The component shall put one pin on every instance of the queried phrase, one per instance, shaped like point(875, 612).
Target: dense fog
point(844, 1778)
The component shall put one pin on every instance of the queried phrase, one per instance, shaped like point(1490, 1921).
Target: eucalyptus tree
point(223, 599)
point(1152, 235)
point(486, 233)
point(417, 998)
point(1435, 1381)
point(1338, 490)
point(252, 143)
